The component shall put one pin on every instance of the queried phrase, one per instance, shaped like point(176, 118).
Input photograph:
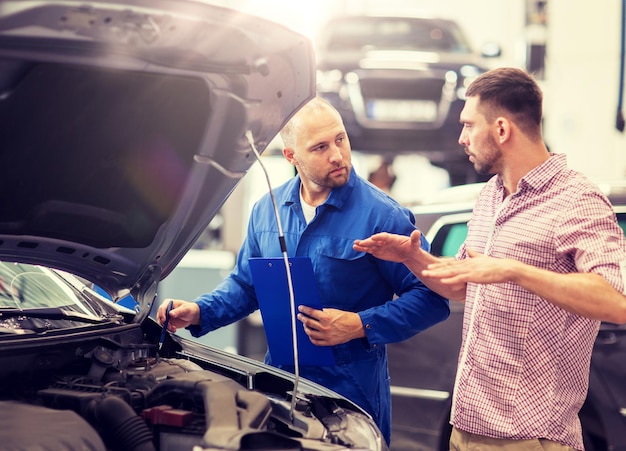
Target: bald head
point(289, 133)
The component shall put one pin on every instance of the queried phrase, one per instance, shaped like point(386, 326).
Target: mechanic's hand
point(183, 314)
point(330, 326)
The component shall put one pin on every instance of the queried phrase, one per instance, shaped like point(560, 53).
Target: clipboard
point(269, 276)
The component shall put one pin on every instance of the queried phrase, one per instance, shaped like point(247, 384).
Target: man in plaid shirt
point(543, 263)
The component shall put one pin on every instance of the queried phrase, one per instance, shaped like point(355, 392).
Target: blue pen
point(167, 321)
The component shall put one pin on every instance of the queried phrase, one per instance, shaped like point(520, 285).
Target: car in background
point(399, 82)
point(423, 368)
point(124, 126)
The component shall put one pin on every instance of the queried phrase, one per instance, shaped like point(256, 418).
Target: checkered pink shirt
point(524, 363)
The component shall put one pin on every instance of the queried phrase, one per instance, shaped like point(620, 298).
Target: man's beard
point(490, 156)
point(327, 181)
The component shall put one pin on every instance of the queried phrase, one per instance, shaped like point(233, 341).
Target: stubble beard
point(334, 182)
point(490, 156)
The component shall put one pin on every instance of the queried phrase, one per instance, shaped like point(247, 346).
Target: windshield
point(448, 240)
point(396, 34)
point(36, 298)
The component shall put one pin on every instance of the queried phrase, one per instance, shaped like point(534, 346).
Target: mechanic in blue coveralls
point(323, 209)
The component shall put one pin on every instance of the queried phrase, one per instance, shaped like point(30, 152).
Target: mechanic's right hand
point(183, 314)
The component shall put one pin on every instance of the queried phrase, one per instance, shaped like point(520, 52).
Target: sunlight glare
point(303, 17)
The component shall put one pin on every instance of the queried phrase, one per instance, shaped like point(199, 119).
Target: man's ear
point(289, 155)
point(503, 129)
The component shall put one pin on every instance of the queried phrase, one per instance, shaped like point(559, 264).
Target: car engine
point(112, 396)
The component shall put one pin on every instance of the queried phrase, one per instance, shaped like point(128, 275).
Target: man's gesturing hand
point(391, 247)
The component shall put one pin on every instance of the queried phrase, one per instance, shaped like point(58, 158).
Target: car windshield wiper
point(52, 313)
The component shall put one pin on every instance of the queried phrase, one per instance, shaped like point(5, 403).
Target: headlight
point(468, 75)
point(359, 432)
point(329, 81)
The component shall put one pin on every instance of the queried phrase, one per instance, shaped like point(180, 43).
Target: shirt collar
point(539, 176)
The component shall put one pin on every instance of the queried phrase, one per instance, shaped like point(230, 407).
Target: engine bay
point(115, 396)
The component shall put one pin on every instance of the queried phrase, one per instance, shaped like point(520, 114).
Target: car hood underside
point(125, 128)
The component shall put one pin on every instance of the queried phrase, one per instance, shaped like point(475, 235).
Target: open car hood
point(124, 128)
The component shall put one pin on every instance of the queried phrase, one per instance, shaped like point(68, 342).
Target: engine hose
point(122, 427)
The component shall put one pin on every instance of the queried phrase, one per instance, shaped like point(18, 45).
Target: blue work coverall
point(348, 280)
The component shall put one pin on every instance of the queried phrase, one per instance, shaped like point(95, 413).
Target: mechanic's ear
point(290, 155)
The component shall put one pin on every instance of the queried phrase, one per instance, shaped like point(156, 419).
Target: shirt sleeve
point(592, 240)
point(233, 299)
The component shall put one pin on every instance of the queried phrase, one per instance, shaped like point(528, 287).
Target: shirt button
point(374, 346)
point(368, 326)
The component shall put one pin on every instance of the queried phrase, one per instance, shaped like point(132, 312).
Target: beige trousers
point(465, 441)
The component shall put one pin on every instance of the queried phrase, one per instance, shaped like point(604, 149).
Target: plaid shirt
point(524, 363)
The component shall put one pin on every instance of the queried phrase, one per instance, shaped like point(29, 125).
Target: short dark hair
point(513, 91)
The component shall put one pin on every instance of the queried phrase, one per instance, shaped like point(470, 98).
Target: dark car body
point(124, 126)
point(423, 368)
point(399, 83)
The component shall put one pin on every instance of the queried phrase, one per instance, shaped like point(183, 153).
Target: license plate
point(402, 110)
